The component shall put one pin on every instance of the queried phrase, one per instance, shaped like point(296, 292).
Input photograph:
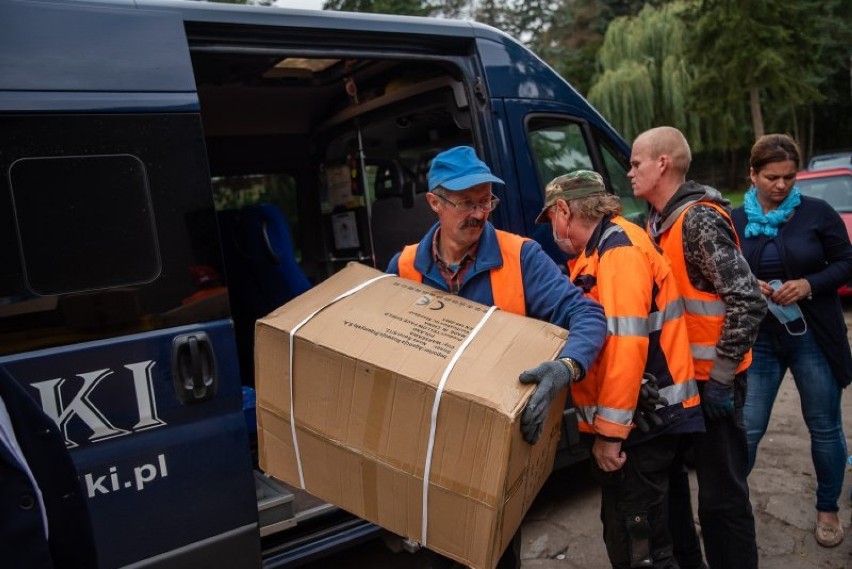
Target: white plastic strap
point(292, 338)
point(431, 446)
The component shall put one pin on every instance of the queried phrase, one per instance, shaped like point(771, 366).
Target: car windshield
point(836, 190)
point(830, 161)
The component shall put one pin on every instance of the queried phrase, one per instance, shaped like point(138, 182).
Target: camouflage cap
point(577, 184)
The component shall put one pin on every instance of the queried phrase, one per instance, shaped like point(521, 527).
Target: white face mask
point(564, 244)
point(790, 316)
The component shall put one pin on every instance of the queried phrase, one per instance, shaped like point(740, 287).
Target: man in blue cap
point(464, 254)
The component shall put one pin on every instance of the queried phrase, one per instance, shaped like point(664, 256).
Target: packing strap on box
point(434, 422)
point(295, 329)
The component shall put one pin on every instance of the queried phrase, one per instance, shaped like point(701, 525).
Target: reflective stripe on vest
point(704, 311)
point(507, 281)
point(677, 393)
point(599, 400)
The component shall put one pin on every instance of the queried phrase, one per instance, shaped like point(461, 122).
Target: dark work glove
point(551, 377)
point(645, 417)
point(717, 400)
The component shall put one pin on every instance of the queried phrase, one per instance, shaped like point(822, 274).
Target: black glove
point(717, 400)
point(551, 377)
point(645, 417)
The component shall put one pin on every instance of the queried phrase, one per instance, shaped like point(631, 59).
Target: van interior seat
point(261, 271)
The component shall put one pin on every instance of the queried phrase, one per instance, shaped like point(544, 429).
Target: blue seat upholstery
point(261, 271)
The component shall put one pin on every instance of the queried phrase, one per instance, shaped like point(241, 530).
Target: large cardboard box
point(366, 371)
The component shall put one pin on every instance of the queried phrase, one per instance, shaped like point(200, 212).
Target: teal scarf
point(768, 224)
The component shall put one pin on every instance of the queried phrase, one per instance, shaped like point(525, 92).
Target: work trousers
point(724, 510)
point(634, 506)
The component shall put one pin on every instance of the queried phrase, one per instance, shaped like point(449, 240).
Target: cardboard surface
point(366, 373)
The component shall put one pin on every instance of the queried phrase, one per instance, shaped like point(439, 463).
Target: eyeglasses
point(470, 207)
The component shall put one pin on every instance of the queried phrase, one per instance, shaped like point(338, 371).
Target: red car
point(833, 185)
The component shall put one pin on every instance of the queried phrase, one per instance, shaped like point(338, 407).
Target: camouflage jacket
point(715, 264)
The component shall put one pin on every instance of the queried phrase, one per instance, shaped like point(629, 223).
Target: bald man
point(723, 308)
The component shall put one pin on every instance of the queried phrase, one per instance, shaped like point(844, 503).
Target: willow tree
point(644, 80)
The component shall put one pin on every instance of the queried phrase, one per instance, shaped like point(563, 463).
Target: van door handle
point(194, 368)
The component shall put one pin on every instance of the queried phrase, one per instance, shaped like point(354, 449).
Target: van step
point(275, 511)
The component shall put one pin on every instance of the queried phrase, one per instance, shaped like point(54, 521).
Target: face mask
point(564, 245)
point(790, 316)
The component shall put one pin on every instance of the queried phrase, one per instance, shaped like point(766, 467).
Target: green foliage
point(735, 197)
point(402, 7)
point(777, 49)
point(625, 96)
point(573, 32)
point(645, 81)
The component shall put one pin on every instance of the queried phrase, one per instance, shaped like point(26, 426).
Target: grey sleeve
point(715, 264)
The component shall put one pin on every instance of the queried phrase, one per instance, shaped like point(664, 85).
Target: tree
point(644, 80)
point(569, 39)
point(402, 7)
point(766, 54)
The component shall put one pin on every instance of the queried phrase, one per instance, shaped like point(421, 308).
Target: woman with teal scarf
point(798, 249)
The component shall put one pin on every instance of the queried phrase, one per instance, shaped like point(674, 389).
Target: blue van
point(171, 171)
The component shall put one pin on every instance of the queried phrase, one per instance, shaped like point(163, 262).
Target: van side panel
point(164, 460)
point(56, 47)
point(138, 449)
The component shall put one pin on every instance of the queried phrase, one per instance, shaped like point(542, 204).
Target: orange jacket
point(646, 332)
point(705, 311)
point(507, 282)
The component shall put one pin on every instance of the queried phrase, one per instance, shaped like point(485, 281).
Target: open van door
point(106, 214)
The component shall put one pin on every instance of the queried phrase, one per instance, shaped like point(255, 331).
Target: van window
point(84, 223)
point(558, 147)
point(633, 209)
point(107, 227)
point(238, 192)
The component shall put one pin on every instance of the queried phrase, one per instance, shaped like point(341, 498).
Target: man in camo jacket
point(723, 307)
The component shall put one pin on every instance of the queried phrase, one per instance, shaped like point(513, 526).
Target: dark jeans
point(633, 506)
point(727, 522)
point(774, 354)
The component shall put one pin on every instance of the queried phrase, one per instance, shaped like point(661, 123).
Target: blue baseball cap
point(458, 169)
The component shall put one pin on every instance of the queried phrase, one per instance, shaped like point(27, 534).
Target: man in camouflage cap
point(617, 265)
point(577, 184)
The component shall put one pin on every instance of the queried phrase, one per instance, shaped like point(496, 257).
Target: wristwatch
point(576, 369)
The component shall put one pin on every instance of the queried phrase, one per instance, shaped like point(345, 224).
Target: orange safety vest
point(705, 311)
point(507, 281)
point(645, 326)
